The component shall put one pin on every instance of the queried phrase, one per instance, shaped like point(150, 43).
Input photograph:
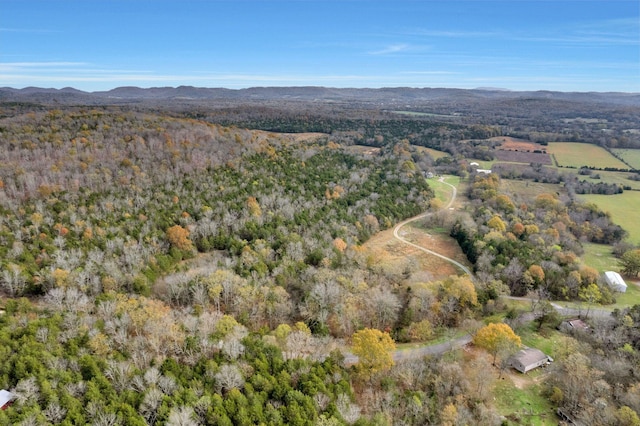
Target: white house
point(615, 281)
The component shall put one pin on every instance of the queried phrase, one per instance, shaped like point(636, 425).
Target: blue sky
point(520, 45)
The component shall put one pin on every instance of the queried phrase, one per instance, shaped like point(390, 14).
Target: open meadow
point(572, 154)
point(623, 209)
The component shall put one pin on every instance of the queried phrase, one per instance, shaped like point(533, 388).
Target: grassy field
point(618, 178)
point(527, 188)
point(570, 154)
point(442, 190)
point(434, 153)
point(624, 210)
point(630, 156)
point(630, 297)
point(599, 256)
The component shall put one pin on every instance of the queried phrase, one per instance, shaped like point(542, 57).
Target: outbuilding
point(6, 399)
point(575, 324)
point(615, 281)
point(529, 358)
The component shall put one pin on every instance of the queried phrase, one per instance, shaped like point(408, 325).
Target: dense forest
point(192, 265)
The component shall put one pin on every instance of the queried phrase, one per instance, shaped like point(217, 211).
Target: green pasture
point(572, 154)
point(623, 208)
point(630, 156)
point(433, 153)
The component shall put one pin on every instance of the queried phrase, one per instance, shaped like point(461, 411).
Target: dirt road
point(398, 236)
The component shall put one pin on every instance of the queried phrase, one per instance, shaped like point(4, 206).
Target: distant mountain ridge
point(129, 94)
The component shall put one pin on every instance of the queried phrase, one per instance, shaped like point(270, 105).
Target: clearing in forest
point(433, 153)
point(400, 259)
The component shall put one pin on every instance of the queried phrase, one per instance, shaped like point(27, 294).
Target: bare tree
point(12, 280)
point(228, 377)
point(182, 416)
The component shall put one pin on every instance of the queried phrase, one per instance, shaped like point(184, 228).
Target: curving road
point(396, 232)
point(422, 351)
point(419, 352)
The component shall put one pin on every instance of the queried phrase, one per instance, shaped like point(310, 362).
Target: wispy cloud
point(392, 49)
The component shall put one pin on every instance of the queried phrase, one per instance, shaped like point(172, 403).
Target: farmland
point(618, 178)
point(629, 156)
point(523, 157)
point(576, 155)
point(623, 209)
point(515, 144)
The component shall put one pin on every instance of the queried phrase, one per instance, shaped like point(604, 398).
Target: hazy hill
point(315, 93)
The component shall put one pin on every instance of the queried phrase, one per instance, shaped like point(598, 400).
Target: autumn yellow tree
point(497, 223)
point(373, 348)
point(496, 337)
point(254, 207)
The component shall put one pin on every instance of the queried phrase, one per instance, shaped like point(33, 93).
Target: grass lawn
point(571, 154)
point(624, 210)
point(630, 297)
point(523, 405)
point(550, 341)
point(631, 156)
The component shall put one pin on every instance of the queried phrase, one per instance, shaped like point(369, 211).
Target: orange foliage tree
point(179, 238)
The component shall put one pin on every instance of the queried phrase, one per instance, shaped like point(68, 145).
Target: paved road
point(569, 312)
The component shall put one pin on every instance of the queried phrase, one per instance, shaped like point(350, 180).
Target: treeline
point(352, 126)
point(573, 184)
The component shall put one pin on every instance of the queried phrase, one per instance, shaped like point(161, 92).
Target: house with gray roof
point(527, 359)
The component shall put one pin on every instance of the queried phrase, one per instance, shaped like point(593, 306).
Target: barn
point(615, 281)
